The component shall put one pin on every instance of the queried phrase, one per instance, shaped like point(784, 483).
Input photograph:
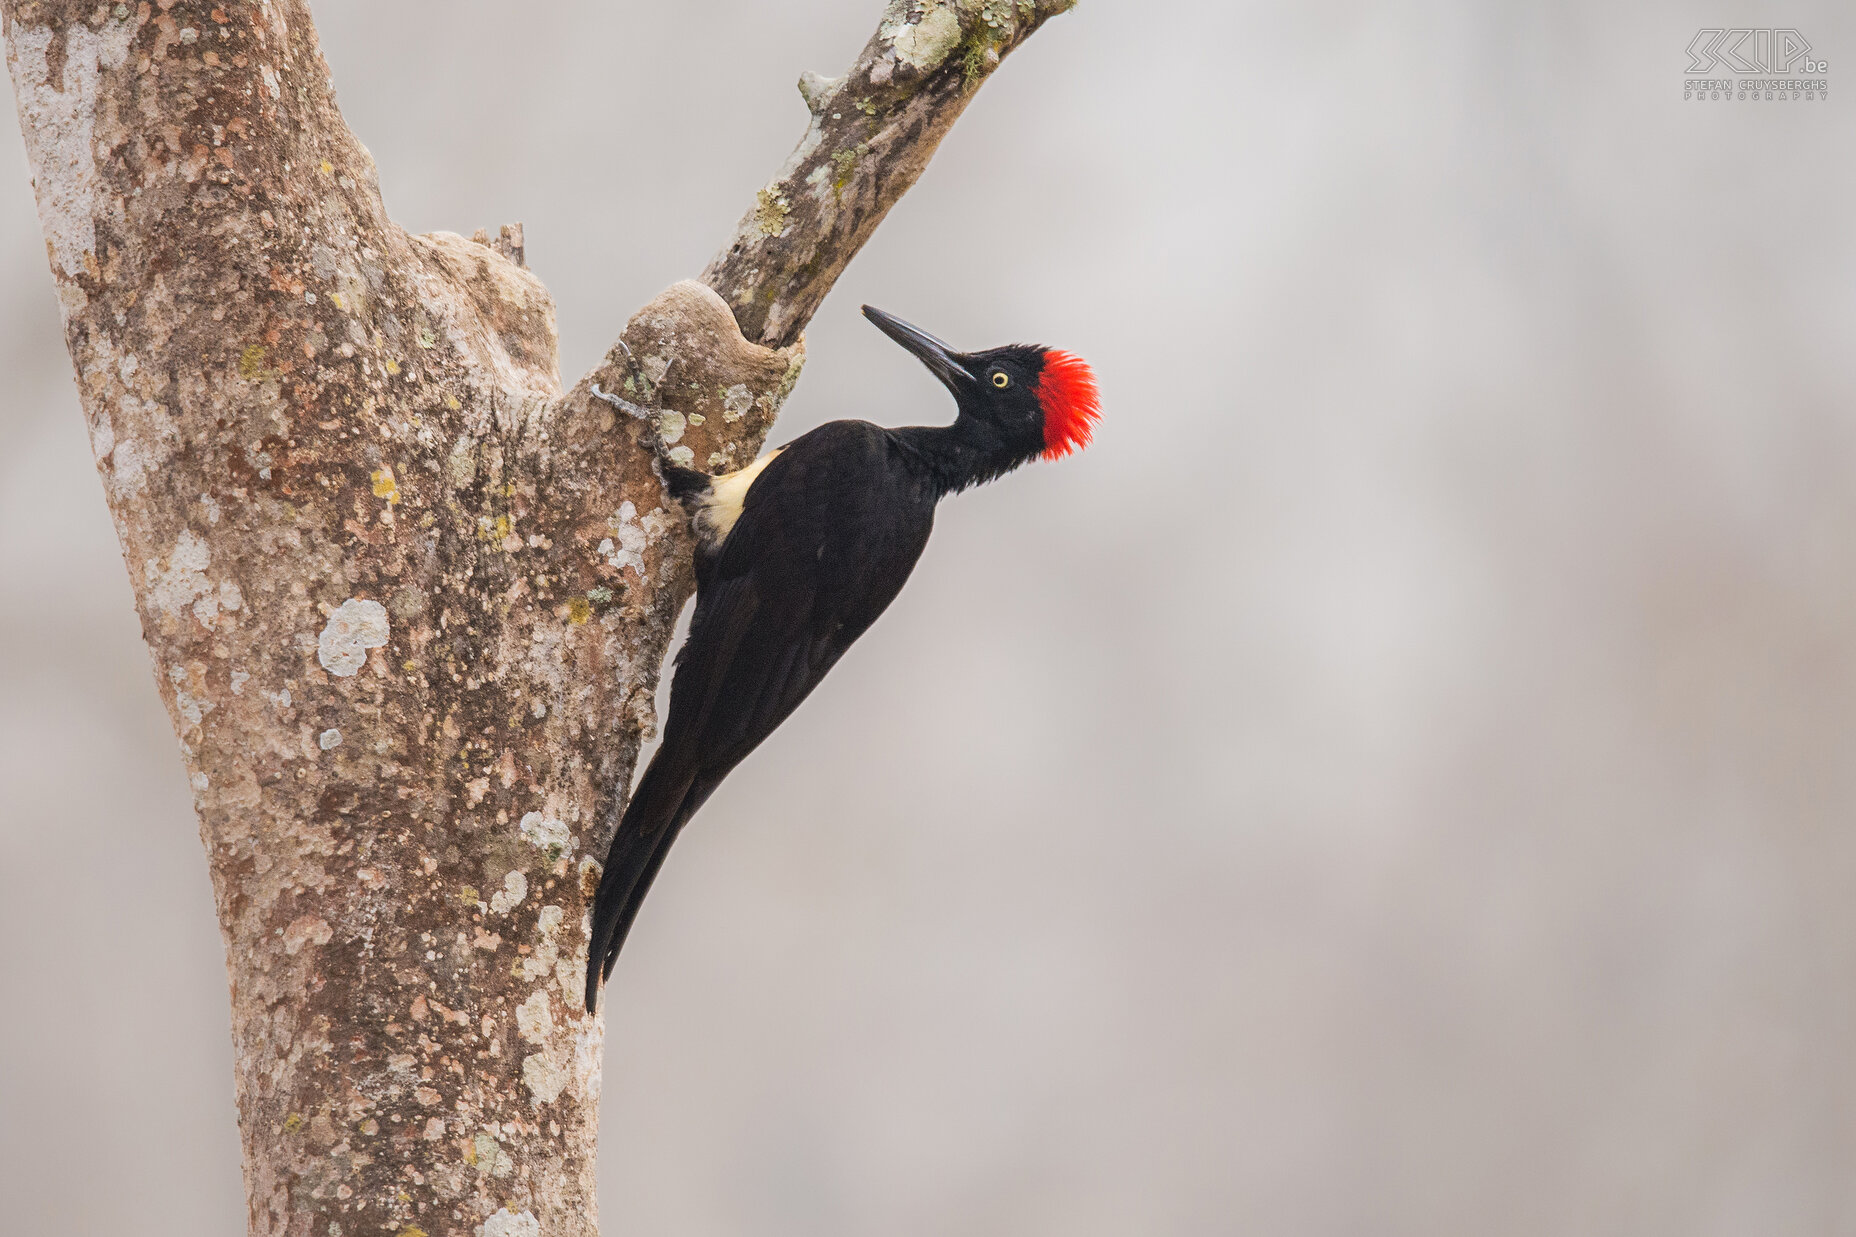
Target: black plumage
point(797, 557)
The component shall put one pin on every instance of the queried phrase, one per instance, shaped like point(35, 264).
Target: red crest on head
point(1067, 392)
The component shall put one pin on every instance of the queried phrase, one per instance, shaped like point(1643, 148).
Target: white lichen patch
point(546, 956)
point(330, 738)
point(569, 969)
point(130, 465)
point(492, 1159)
point(535, 1019)
point(670, 426)
point(356, 626)
point(631, 539)
point(58, 119)
point(544, 1074)
point(924, 44)
point(181, 584)
point(136, 440)
point(589, 1052)
point(506, 899)
point(736, 402)
point(191, 707)
point(190, 700)
point(546, 834)
point(506, 1223)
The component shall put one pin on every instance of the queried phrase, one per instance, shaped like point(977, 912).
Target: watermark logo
point(1777, 61)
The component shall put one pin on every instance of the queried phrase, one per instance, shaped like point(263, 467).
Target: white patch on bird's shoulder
point(722, 507)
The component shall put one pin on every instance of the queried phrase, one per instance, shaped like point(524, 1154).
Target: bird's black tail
point(663, 803)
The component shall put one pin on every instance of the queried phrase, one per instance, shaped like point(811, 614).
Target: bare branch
point(872, 132)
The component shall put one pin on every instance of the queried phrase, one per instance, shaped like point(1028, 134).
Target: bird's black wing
point(826, 538)
point(823, 543)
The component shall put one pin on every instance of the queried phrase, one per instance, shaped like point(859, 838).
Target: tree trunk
point(406, 599)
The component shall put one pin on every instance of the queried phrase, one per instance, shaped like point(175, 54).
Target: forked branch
point(406, 600)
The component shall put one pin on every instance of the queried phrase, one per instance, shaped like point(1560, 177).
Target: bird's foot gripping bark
point(622, 404)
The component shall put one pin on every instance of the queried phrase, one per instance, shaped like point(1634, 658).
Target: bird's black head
point(1035, 400)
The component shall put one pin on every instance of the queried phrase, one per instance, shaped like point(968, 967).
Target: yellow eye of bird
point(1000, 380)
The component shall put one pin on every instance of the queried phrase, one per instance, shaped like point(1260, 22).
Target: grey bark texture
point(407, 598)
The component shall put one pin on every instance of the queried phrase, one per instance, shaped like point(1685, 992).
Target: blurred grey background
point(1400, 780)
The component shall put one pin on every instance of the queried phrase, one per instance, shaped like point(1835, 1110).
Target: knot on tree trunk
point(710, 394)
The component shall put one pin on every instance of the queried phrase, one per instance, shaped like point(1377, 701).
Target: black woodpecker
point(797, 554)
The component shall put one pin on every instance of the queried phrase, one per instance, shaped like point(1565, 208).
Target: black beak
point(943, 362)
